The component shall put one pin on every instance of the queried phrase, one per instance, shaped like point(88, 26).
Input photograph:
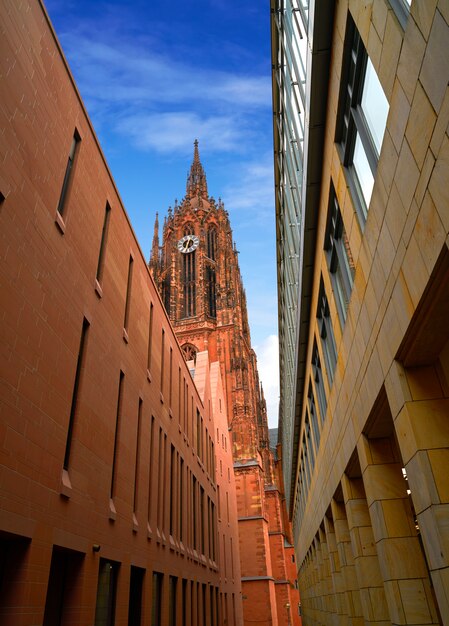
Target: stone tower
point(197, 273)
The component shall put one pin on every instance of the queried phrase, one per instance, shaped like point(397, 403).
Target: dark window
point(326, 333)
point(189, 283)
point(172, 496)
point(137, 462)
point(75, 393)
point(313, 417)
point(362, 117)
point(135, 596)
point(341, 264)
point(106, 593)
point(173, 588)
point(211, 291)
point(128, 292)
point(211, 243)
point(166, 292)
point(116, 435)
point(63, 586)
point(104, 239)
point(156, 608)
point(150, 337)
point(319, 382)
point(68, 171)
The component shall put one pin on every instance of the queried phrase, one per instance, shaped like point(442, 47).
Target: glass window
point(326, 333)
point(340, 261)
point(319, 383)
point(374, 105)
point(363, 112)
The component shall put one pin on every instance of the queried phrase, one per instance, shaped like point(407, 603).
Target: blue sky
point(156, 75)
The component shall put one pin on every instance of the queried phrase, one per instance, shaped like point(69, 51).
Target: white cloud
point(268, 367)
point(251, 195)
point(165, 132)
point(140, 74)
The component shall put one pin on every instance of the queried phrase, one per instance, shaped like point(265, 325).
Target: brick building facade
point(109, 494)
point(197, 273)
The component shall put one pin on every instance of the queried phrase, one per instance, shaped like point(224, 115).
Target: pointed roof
point(154, 255)
point(196, 179)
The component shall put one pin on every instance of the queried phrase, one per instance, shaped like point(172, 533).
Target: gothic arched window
point(189, 283)
point(189, 351)
point(211, 242)
point(211, 292)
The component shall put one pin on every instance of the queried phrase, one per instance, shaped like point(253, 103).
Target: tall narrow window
point(362, 117)
point(211, 292)
point(173, 588)
point(340, 261)
point(319, 383)
point(137, 461)
point(202, 521)
point(326, 333)
point(166, 292)
point(189, 283)
point(181, 499)
point(162, 362)
point(156, 608)
point(194, 516)
point(106, 593)
point(104, 239)
point(179, 395)
point(75, 393)
point(160, 482)
point(150, 338)
point(211, 243)
point(198, 433)
point(116, 434)
point(150, 469)
point(170, 379)
point(172, 495)
point(68, 171)
point(135, 596)
point(128, 294)
point(313, 416)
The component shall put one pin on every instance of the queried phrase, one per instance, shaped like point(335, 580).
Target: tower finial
point(154, 257)
point(196, 178)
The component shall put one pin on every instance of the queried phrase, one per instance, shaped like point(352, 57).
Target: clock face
point(188, 243)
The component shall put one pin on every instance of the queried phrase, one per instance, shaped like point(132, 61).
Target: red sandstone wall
point(48, 286)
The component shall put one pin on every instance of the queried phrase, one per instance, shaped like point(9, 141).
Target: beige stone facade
point(368, 437)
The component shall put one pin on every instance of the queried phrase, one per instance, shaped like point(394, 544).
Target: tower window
point(211, 291)
point(189, 352)
point(211, 243)
point(189, 284)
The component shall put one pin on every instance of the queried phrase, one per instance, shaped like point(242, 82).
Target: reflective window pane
point(374, 105)
point(363, 171)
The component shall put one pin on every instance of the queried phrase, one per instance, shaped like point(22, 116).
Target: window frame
point(351, 121)
point(337, 256)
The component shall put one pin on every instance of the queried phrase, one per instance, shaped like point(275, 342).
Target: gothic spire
point(196, 179)
point(154, 257)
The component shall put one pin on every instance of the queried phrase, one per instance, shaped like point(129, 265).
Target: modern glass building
point(361, 159)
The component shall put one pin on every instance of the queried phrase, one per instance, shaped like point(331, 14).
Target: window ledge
point(98, 289)
point(60, 222)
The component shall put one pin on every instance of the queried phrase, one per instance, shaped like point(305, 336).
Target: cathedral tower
point(197, 273)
